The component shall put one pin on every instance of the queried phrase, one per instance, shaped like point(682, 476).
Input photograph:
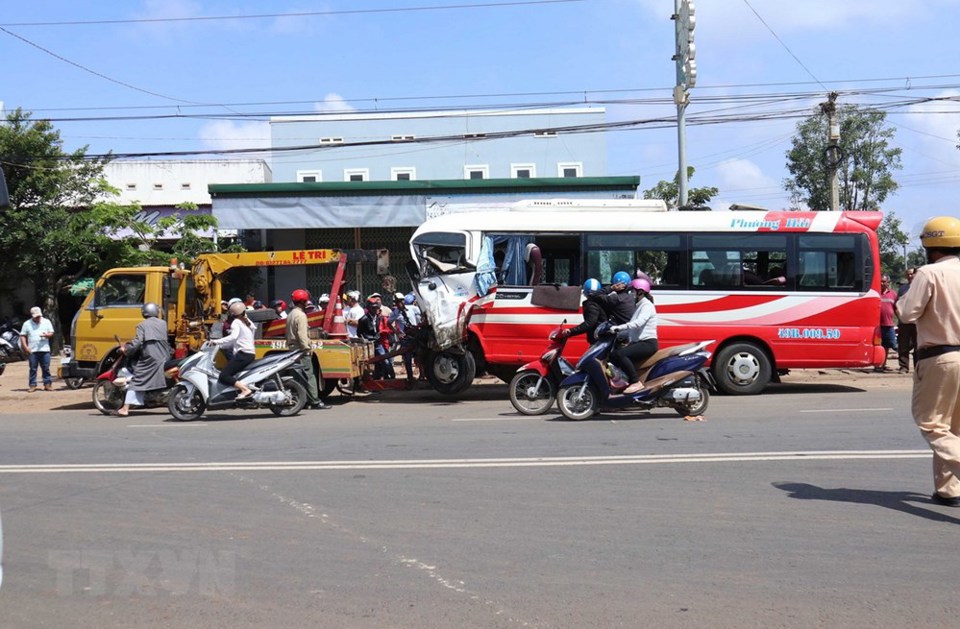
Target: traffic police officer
point(933, 303)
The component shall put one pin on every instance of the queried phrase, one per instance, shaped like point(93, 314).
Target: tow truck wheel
point(327, 386)
point(450, 373)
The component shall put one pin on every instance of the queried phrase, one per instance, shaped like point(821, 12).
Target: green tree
point(669, 191)
point(867, 160)
point(52, 230)
point(63, 223)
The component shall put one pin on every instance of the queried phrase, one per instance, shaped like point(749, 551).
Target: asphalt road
point(805, 506)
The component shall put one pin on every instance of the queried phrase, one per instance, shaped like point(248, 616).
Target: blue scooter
point(675, 377)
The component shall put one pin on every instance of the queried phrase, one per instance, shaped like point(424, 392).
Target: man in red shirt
point(888, 333)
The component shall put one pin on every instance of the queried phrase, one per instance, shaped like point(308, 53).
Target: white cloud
point(743, 175)
point(333, 103)
point(227, 134)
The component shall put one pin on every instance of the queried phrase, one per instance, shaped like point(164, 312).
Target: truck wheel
point(74, 383)
point(450, 373)
point(327, 387)
point(742, 369)
point(298, 395)
point(186, 404)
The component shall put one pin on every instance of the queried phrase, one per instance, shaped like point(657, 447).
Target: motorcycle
point(110, 387)
point(10, 348)
point(535, 385)
point(674, 377)
point(278, 382)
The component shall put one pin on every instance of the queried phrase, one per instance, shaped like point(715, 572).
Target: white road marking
point(490, 419)
point(166, 425)
point(638, 459)
point(845, 410)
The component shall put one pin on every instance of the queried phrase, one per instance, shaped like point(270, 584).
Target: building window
point(309, 176)
point(356, 174)
point(337, 140)
point(544, 134)
point(481, 171)
point(523, 171)
point(569, 169)
point(131, 187)
point(185, 186)
point(402, 138)
point(403, 173)
point(158, 186)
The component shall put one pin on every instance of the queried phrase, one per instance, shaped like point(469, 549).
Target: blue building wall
point(443, 159)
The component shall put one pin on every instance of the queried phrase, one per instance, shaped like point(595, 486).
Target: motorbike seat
point(266, 360)
point(663, 353)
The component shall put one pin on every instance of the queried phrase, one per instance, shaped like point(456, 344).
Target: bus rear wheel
point(742, 369)
point(450, 373)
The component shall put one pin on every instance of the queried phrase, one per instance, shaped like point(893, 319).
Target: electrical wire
point(260, 16)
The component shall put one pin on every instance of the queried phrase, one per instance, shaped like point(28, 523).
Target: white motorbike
point(278, 383)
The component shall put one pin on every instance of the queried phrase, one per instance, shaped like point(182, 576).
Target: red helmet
point(300, 295)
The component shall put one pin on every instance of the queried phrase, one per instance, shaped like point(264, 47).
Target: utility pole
point(833, 149)
point(685, 57)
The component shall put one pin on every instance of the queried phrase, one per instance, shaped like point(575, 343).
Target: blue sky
point(755, 57)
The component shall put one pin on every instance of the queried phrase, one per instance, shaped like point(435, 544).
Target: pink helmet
point(640, 284)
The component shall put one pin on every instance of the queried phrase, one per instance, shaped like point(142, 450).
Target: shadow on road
point(903, 501)
point(812, 387)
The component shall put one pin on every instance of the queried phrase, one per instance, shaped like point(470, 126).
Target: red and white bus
point(776, 290)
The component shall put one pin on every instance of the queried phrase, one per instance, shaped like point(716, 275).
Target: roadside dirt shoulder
point(15, 398)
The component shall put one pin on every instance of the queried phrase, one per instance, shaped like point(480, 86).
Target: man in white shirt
point(353, 313)
point(35, 338)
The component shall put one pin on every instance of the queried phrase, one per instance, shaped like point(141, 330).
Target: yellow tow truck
point(190, 303)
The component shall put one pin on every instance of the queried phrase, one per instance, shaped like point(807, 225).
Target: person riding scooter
point(147, 352)
point(240, 341)
point(594, 312)
point(640, 333)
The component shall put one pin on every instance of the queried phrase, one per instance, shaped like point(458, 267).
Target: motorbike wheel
point(695, 408)
point(74, 383)
point(184, 405)
point(297, 393)
point(106, 397)
point(450, 373)
point(346, 386)
point(530, 398)
point(575, 406)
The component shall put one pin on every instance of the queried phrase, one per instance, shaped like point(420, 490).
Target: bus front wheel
point(450, 373)
point(742, 369)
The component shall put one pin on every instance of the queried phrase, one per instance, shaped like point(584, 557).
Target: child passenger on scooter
point(641, 335)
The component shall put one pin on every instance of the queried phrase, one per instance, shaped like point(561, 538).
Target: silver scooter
point(278, 383)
